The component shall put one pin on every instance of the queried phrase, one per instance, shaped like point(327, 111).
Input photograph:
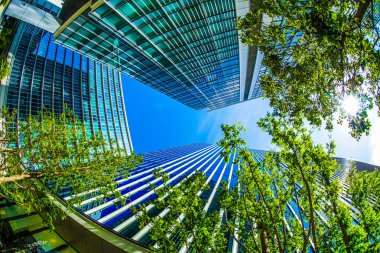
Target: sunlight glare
point(351, 105)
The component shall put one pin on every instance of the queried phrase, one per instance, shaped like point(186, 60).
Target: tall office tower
point(179, 163)
point(45, 75)
point(188, 50)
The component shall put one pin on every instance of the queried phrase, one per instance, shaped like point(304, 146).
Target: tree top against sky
point(335, 56)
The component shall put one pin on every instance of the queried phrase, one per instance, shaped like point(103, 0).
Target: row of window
point(48, 76)
point(193, 58)
point(179, 163)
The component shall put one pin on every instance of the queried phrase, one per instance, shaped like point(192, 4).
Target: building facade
point(179, 163)
point(188, 50)
point(45, 75)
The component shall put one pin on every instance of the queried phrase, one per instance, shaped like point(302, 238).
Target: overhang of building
point(33, 15)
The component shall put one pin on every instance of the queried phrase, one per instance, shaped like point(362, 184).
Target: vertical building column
point(116, 74)
point(102, 67)
point(53, 79)
point(125, 115)
point(72, 84)
point(81, 86)
point(97, 98)
point(63, 78)
point(111, 100)
point(34, 70)
point(242, 8)
point(43, 75)
point(22, 72)
point(89, 95)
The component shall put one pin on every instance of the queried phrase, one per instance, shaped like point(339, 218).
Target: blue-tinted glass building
point(45, 75)
point(188, 50)
point(179, 163)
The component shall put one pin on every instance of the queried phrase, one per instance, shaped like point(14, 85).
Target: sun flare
point(351, 105)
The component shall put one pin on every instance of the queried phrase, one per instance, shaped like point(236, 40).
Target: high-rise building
point(48, 76)
point(188, 50)
point(179, 163)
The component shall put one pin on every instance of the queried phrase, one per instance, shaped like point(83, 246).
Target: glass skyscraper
point(48, 76)
point(188, 50)
point(179, 163)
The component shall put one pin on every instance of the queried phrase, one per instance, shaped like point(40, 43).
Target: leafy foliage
point(4, 68)
point(364, 192)
point(3, 2)
point(5, 37)
point(336, 56)
point(5, 41)
point(299, 175)
point(186, 223)
point(288, 201)
point(55, 153)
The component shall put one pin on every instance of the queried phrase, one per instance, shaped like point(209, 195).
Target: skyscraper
point(45, 75)
point(188, 50)
point(179, 163)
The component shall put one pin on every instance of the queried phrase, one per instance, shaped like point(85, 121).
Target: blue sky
point(157, 121)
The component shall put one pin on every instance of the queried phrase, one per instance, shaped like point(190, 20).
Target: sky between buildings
point(157, 121)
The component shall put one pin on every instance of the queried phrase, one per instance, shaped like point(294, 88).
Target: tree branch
point(270, 213)
point(249, 218)
point(306, 183)
point(21, 177)
point(362, 8)
point(233, 234)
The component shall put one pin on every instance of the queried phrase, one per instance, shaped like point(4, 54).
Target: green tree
point(54, 153)
point(336, 56)
point(5, 38)
point(183, 221)
point(4, 68)
point(5, 41)
point(364, 191)
point(298, 174)
point(256, 212)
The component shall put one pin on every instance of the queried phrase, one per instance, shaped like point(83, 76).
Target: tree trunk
point(346, 239)
point(263, 239)
point(362, 8)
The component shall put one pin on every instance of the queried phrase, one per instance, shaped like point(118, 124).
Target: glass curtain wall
point(48, 76)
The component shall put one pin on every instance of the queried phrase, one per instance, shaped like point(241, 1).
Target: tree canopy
point(286, 201)
point(316, 54)
point(54, 152)
point(299, 175)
